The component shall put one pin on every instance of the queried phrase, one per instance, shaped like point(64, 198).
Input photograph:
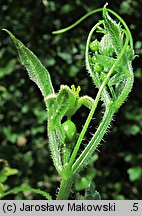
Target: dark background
point(116, 168)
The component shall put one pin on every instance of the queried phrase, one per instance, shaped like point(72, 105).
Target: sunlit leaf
point(37, 72)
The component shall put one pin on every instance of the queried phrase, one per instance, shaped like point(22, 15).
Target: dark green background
point(117, 167)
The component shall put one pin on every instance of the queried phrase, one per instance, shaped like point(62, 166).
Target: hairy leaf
point(114, 30)
point(54, 142)
point(108, 62)
point(57, 106)
point(116, 79)
point(20, 189)
point(106, 46)
point(91, 193)
point(86, 101)
point(37, 72)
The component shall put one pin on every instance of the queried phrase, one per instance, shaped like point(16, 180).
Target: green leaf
point(106, 46)
point(37, 72)
point(86, 101)
point(135, 173)
point(2, 189)
point(53, 134)
point(8, 69)
point(10, 171)
point(114, 30)
point(130, 54)
point(106, 61)
point(6, 171)
point(20, 189)
point(55, 145)
point(57, 106)
point(117, 78)
point(91, 193)
point(3, 177)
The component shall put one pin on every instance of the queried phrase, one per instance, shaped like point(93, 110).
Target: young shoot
point(108, 63)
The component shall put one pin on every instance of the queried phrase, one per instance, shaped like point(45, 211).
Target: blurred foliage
point(116, 168)
point(5, 172)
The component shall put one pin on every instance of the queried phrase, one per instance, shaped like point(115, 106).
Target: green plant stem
point(65, 186)
point(94, 142)
point(77, 22)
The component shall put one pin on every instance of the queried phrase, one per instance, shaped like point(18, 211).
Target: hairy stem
point(94, 142)
point(65, 186)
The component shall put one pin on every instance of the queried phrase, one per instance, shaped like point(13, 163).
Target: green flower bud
point(93, 59)
point(98, 68)
point(70, 130)
point(94, 46)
